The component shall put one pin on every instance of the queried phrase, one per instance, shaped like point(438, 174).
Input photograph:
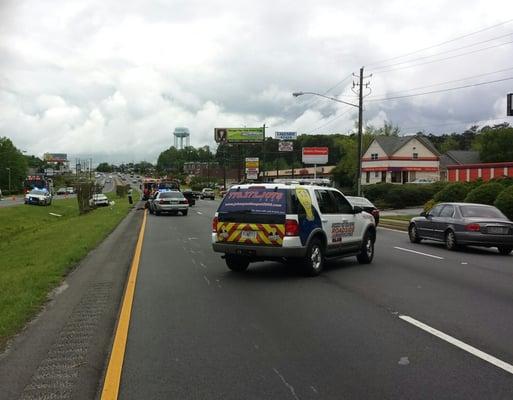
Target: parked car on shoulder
point(70, 190)
point(40, 197)
point(301, 224)
point(62, 191)
point(462, 224)
point(207, 193)
point(99, 200)
point(366, 205)
point(423, 181)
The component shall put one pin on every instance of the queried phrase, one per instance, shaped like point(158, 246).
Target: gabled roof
point(464, 156)
point(390, 144)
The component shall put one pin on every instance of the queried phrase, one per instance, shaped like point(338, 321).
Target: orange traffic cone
point(13, 198)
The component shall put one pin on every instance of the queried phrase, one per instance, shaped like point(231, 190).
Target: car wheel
point(236, 263)
point(184, 213)
point(505, 250)
point(313, 263)
point(450, 241)
point(367, 251)
point(414, 234)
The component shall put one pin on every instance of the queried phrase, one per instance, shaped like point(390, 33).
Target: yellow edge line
point(110, 389)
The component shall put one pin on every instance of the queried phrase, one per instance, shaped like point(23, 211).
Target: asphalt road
point(200, 331)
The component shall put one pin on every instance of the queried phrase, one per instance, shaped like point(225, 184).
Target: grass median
point(38, 249)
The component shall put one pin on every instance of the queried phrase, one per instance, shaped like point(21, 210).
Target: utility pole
point(9, 169)
point(263, 157)
point(361, 86)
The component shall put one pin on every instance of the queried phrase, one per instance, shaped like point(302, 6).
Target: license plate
point(501, 230)
point(248, 235)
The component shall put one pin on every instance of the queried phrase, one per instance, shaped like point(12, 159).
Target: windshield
point(255, 200)
point(171, 195)
point(480, 211)
point(39, 192)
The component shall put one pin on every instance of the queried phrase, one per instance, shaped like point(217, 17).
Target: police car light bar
point(304, 181)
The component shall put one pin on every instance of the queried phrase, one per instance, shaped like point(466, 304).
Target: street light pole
point(9, 169)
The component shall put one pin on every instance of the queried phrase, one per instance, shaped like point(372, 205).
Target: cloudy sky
point(112, 79)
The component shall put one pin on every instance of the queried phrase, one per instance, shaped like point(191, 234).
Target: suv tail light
point(184, 201)
point(161, 202)
point(473, 227)
point(291, 227)
point(214, 224)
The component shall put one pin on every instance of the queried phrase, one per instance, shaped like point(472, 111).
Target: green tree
point(495, 143)
point(104, 167)
point(12, 163)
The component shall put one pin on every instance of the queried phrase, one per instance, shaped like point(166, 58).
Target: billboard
point(285, 146)
point(252, 162)
point(315, 155)
point(55, 157)
point(239, 135)
point(285, 135)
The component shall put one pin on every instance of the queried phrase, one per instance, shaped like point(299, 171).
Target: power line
point(310, 130)
point(445, 82)
point(446, 58)
point(441, 43)
point(474, 122)
point(441, 90)
point(443, 52)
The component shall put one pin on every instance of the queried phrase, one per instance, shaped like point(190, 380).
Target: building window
point(376, 174)
point(374, 156)
point(415, 156)
point(367, 177)
point(396, 177)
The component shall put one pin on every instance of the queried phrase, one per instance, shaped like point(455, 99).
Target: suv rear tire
point(313, 263)
point(236, 263)
point(367, 251)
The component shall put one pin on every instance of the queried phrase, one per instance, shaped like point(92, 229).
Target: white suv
point(302, 224)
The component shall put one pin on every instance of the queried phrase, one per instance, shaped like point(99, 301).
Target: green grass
point(37, 250)
point(398, 217)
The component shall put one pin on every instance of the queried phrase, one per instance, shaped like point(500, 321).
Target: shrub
point(452, 192)
point(504, 202)
point(399, 196)
point(484, 194)
point(429, 205)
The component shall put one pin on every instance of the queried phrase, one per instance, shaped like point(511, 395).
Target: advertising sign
point(251, 162)
point(285, 135)
point(315, 155)
point(239, 135)
point(251, 173)
point(285, 146)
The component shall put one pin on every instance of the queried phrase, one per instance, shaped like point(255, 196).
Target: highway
point(420, 322)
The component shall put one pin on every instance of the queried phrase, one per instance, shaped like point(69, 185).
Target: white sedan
point(39, 197)
point(99, 200)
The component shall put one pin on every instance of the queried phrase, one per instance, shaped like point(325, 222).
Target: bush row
point(399, 196)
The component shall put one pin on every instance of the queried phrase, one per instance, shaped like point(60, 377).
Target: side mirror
point(357, 210)
point(423, 214)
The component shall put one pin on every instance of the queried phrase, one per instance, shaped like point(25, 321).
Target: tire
point(505, 250)
point(236, 263)
point(367, 251)
point(184, 213)
point(413, 234)
point(450, 241)
point(313, 263)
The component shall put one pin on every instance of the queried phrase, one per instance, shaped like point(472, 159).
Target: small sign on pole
point(285, 146)
point(285, 135)
point(252, 167)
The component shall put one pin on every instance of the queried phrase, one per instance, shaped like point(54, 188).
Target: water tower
point(181, 134)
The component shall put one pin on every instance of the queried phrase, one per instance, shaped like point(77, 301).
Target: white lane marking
point(314, 389)
point(393, 230)
point(206, 279)
point(203, 265)
point(464, 263)
point(458, 343)
point(418, 252)
point(218, 282)
point(199, 213)
point(193, 261)
point(288, 385)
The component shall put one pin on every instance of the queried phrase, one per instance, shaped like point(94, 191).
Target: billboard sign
point(251, 173)
point(285, 135)
point(251, 162)
point(285, 146)
point(509, 112)
point(315, 155)
point(239, 135)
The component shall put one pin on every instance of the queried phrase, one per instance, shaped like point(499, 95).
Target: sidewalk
point(62, 353)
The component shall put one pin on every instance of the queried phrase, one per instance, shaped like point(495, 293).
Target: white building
point(395, 159)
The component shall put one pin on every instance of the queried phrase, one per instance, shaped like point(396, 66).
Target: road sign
point(285, 135)
point(285, 146)
point(239, 135)
point(509, 112)
point(251, 173)
point(315, 155)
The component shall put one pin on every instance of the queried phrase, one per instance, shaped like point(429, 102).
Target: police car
point(39, 197)
point(301, 224)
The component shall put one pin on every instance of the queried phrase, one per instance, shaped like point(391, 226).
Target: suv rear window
point(171, 195)
point(255, 200)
